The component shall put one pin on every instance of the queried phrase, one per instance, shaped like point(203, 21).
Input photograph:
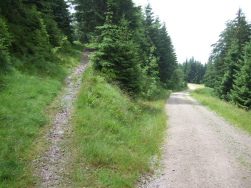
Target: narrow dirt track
point(50, 167)
point(202, 150)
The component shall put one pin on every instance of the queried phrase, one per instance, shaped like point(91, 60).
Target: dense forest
point(133, 47)
point(32, 32)
point(194, 71)
point(229, 66)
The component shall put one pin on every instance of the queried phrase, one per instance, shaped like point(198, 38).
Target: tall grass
point(230, 112)
point(115, 136)
point(23, 99)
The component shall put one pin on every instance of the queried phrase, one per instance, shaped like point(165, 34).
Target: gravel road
point(202, 149)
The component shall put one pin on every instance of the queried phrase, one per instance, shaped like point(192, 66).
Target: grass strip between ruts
point(114, 136)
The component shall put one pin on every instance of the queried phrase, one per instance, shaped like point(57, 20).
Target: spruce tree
point(241, 92)
point(194, 71)
point(227, 55)
point(210, 75)
point(117, 57)
point(89, 14)
point(157, 32)
point(232, 61)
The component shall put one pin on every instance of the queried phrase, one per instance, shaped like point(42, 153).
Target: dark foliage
point(229, 63)
point(194, 71)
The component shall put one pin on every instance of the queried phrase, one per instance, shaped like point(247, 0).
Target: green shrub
point(5, 41)
point(117, 58)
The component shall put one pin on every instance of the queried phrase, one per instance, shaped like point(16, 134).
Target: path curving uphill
point(51, 165)
point(202, 150)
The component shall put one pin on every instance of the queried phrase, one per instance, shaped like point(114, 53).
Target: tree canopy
point(134, 48)
point(194, 71)
point(229, 62)
point(139, 55)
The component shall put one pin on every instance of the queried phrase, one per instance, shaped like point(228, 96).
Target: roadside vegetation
point(115, 136)
point(36, 54)
point(229, 66)
point(120, 115)
point(24, 98)
point(230, 112)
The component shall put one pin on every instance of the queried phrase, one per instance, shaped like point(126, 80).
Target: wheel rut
point(51, 165)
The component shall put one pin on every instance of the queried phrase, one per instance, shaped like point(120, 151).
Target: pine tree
point(194, 71)
point(125, 9)
point(39, 19)
point(232, 65)
point(227, 55)
point(178, 79)
point(157, 32)
point(210, 75)
point(117, 57)
point(89, 14)
point(241, 92)
point(62, 17)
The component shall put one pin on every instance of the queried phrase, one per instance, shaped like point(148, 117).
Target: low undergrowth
point(230, 112)
point(114, 136)
point(24, 95)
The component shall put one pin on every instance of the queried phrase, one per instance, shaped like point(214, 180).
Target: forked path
point(202, 150)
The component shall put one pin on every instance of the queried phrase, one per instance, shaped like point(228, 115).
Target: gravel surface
point(202, 149)
point(50, 167)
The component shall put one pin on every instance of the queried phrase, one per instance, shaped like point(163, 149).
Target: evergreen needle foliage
point(117, 58)
point(194, 71)
point(241, 92)
point(229, 67)
point(133, 47)
point(5, 42)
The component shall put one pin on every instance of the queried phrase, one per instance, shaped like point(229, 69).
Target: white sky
point(194, 25)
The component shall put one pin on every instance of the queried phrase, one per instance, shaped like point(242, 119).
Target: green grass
point(23, 100)
point(115, 136)
point(230, 112)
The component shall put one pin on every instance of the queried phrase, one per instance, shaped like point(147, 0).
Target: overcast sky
point(194, 25)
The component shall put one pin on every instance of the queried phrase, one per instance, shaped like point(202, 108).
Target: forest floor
point(202, 149)
point(51, 164)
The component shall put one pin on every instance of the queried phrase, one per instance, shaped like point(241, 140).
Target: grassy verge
point(115, 136)
point(230, 112)
point(23, 98)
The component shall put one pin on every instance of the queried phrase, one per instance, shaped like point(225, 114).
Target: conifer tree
point(232, 61)
point(117, 58)
point(227, 55)
point(164, 51)
point(89, 14)
point(241, 92)
point(209, 77)
point(5, 42)
point(38, 18)
point(194, 71)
